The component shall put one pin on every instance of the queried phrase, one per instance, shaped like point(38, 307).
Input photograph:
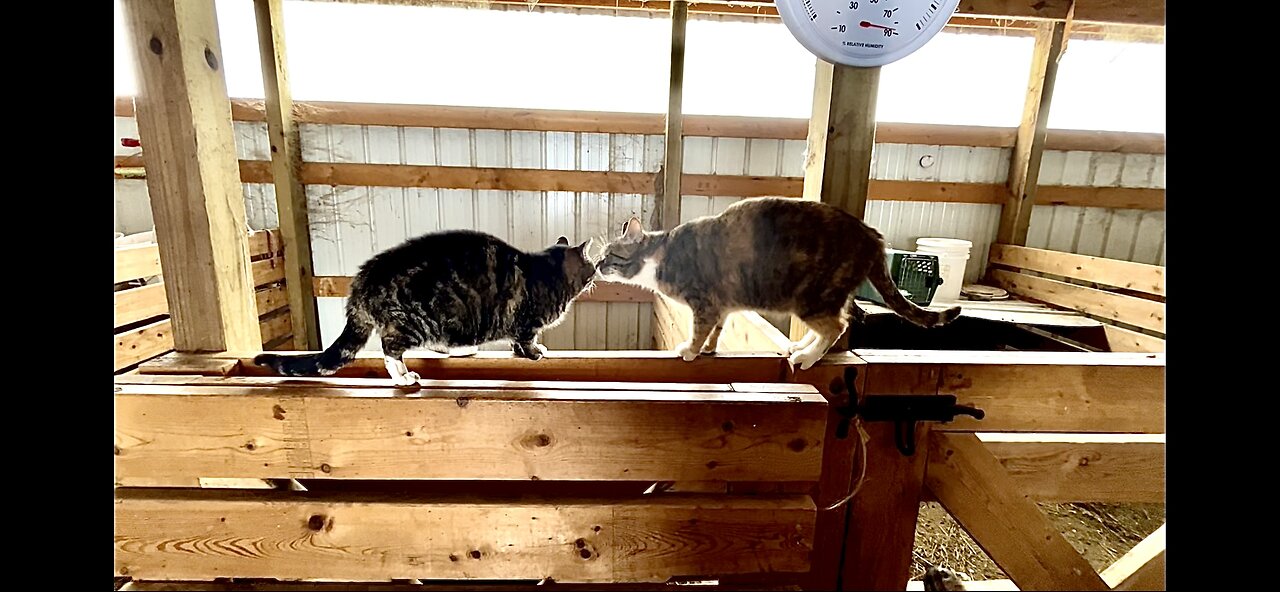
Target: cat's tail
point(344, 349)
point(883, 282)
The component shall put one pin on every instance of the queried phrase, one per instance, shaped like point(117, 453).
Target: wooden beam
point(1124, 340)
point(270, 299)
point(842, 134)
point(973, 486)
point(882, 516)
point(184, 120)
point(339, 286)
point(655, 366)
point(135, 262)
point(747, 331)
point(263, 428)
point(1142, 568)
point(399, 115)
point(143, 343)
point(413, 585)
point(1082, 468)
point(1138, 198)
point(275, 327)
point(1139, 277)
point(286, 164)
point(137, 304)
point(1131, 310)
point(267, 271)
point(649, 539)
point(1024, 168)
point(673, 157)
point(1032, 391)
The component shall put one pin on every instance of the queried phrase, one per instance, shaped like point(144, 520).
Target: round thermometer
point(864, 33)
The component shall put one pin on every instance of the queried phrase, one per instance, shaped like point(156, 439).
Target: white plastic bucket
point(953, 257)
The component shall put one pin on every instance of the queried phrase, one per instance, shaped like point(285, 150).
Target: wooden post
point(1024, 169)
point(184, 120)
point(286, 166)
point(842, 132)
point(674, 157)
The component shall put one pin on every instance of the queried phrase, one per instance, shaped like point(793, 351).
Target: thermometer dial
point(864, 33)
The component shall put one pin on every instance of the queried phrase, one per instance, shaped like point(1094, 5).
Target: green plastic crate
point(915, 273)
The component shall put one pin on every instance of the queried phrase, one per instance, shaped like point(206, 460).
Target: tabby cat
point(765, 254)
point(450, 290)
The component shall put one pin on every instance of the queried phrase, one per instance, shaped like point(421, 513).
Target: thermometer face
point(864, 32)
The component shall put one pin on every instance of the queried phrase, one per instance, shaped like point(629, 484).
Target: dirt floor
point(1100, 532)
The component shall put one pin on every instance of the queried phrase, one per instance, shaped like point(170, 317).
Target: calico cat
point(765, 254)
point(448, 290)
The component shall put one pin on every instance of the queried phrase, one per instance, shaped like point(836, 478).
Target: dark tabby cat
point(941, 579)
point(448, 290)
point(765, 254)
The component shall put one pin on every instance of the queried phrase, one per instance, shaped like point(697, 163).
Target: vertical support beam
point(882, 517)
point(1024, 168)
point(286, 165)
point(842, 134)
point(673, 162)
point(184, 120)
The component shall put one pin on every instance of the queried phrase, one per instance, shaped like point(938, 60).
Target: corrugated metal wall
point(350, 224)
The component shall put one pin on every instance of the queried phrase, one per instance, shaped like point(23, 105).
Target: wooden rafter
point(673, 155)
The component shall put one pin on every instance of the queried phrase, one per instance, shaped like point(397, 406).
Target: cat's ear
point(582, 248)
point(632, 229)
point(562, 241)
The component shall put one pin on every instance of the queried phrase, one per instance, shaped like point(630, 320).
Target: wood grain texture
point(143, 343)
point(207, 534)
point(136, 262)
point(1145, 12)
point(270, 299)
point(136, 304)
point(195, 192)
point(1124, 340)
point(1131, 310)
point(747, 331)
point(1085, 471)
point(973, 486)
point(1133, 198)
point(268, 271)
point(275, 326)
point(1028, 149)
point(673, 147)
point(282, 428)
point(1031, 391)
point(286, 164)
point(1140, 277)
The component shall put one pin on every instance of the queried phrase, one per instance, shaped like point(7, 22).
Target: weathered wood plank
point(270, 299)
point(136, 304)
point(275, 327)
point(268, 271)
point(294, 428)
point(190, 364)
point(1140, 277)
point(747, 331)
point(1139, 312)
point(136, 262)
point(973, 486)
point(196, 197)
point(445, 586)
point(207, 534)
point(143, 343)
point(673, 147)
point(267, 242)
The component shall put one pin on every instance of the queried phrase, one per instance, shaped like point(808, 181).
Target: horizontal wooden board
point(1135, 311)
point(1085, 471)
point(747, 331)
point(1136, 198)
point(271, 299)
point(268, 534)
point(266, 242)
point(143, 343)
point(267, 271)
point(137, 262)
point(1124, 340)
point(223, 427)
point(136, 304)
point(449, 586)
point(630, 366)
point(1031, 391)
point(337, 113)
point(1140, 277)
point(338, 286)
point(275, 326)
point(190, 364)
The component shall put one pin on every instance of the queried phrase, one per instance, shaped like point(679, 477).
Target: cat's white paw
point(805, 359)
point(686, 351)
point(462, 352)
point(795, 346)
point(406, 379)
point(541, 348)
